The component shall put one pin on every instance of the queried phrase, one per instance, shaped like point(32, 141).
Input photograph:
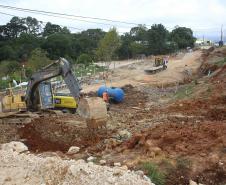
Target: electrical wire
point(69, 15)
point(41, 21)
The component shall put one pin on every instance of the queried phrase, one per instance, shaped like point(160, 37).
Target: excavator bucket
point(94, 111)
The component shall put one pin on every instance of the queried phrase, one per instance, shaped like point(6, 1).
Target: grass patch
point(153, 172)
point(221, 62)
point(183, 163)
point(185, 91)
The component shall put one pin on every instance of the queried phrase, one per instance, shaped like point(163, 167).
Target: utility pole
point(221, 42)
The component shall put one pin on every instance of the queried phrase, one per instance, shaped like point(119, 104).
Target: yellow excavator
point(39, 96)
point(65, 102)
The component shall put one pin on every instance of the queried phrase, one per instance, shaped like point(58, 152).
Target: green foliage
point(58, 45)
point(25, 44)
point(221, 62)
point(54, 28)
point(37, 60)
point(185, 91)
point(84, 59)
point(4, 84)
point(139, 33)
point(8, 67)
point(124, 51)
point(157, 177)
point(183, 37)
point(137, 48)
point(108, 45)
point(157, 39)
point(33, 25)
point(7, 53)
point(183, 163)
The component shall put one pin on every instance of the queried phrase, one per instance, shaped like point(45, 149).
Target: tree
point(25, 44)
point(157, 39)
point(7, 52)
point(124, 51)
point(33, 25)
point(38, 59)
point(139, 33)
point(108, 45)
point(8, 67)
point(183, 37)
point(137, 48)
point(58, 45)
point(54, 28)
point(84, 59)
point(14, 28)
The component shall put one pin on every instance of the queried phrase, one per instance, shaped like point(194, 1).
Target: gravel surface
point(25, 168)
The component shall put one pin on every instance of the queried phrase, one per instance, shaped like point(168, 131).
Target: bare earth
point(134, 73)
point(181, 130)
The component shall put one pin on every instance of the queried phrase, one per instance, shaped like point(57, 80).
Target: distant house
point(201, 42)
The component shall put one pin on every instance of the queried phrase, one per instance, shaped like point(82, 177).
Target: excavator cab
point(45, 96)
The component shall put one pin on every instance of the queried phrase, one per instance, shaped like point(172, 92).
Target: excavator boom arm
point(59, 68)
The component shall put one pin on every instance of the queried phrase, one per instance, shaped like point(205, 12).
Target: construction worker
point(106, 97)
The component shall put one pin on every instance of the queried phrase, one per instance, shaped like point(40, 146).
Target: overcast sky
point(205, 17)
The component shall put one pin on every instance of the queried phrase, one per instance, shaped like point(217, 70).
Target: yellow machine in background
point(12, 102)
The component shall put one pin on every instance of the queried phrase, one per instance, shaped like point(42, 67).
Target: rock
point(73, 150)
point(149, 143)
point(117, 164)
point(203, 154)
point(111, 143)
point(152, 154)
point(192, 182)
point(15, 146)
point(134, 141)
point(140, 173)
point(117, 172)
point(102, 162)
point(124, 167)
point(91, 158)
point(214, 158)
point(124, 135)
point(73, 170)
point(156, 150)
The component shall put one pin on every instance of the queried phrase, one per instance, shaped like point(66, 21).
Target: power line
point(73, 17)
point(69, 18)
point(13, 15)
point(69, 15)
point(41, 21)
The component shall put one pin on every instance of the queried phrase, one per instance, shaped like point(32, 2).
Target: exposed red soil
point(56, 135)
point(184, 139)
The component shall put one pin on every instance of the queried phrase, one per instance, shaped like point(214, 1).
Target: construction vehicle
point(159, 65)
point(64, 102)
point(39, 96)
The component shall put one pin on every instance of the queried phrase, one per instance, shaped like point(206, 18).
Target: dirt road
point(134, 73)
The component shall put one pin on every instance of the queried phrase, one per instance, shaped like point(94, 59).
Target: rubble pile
point(20, 167)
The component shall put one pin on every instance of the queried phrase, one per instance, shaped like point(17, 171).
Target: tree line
point(29, 42)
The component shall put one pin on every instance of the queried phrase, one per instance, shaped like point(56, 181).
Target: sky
point(204, 17)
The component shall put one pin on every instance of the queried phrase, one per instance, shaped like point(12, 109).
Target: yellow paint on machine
point(13, 103)
point(64, 102)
